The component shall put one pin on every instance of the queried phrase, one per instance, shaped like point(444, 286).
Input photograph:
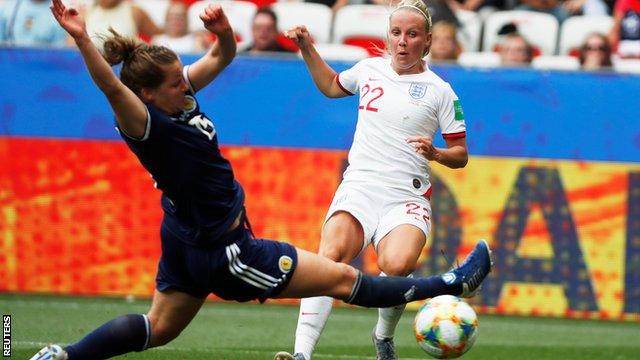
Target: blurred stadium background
point(553, 183)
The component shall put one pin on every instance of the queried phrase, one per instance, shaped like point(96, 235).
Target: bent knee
point(397, 267)
point(337, 253)
point(341, 248)
point(162, 334)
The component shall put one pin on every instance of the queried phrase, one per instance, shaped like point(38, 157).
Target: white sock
point(388, 318)
point(313, 315)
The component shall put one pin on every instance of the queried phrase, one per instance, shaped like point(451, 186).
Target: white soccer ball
point(445, 327)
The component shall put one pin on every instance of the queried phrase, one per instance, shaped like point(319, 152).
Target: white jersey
point(392, 108)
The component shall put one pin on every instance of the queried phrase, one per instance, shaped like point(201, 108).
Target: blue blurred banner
point(273, 102)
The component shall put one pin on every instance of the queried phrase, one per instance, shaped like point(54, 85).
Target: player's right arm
point(323, 75)
point(130, 111)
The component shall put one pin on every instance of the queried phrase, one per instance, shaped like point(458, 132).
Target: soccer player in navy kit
point(207, 246)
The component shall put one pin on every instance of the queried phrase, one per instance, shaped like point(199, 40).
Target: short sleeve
point(185, 75)
point(147, 129)
point(451, 115)
point(349, 80)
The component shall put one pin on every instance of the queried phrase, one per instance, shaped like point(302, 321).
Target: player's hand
point(299, 35)
point(424, 146)
point(215, 20)
point(69, 19)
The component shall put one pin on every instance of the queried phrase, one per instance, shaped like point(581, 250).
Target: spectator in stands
point(444, 42)
point(515, 50)
point(265, 32)
point(29, 23)
point(553, 7)
point(177, 36)
point(625, 33)
point(595, 53)
point(124, 17)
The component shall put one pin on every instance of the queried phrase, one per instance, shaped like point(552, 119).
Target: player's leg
point(342, 239)
point(315, 275)
point(398, 252)
point(170, 313)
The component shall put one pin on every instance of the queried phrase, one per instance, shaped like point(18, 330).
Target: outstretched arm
point(130, 111)
point(323, 75)
point(203, 71)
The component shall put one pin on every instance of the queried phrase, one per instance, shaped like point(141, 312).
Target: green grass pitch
point(233, 331)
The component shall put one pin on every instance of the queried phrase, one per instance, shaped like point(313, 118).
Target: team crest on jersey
point(285, 263)
point(417, 90)
point(189, 104)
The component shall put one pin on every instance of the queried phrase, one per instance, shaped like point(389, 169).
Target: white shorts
point(380, 209)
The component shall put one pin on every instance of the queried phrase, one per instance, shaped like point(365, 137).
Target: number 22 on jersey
point(369, 97)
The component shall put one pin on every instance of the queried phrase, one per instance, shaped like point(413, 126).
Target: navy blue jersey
point(200, 196)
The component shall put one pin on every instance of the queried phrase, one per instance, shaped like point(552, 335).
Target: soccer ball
point(445, 327)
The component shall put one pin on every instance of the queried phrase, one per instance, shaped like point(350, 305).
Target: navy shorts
point(240, 268)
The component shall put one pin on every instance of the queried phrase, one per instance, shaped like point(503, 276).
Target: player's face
point(170, 95)
point(408, 41)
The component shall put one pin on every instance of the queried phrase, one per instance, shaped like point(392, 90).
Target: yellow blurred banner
point(82, 217)
point(566, 234)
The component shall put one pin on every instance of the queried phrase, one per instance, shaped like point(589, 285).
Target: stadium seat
point(538, 28)
point(316, 17)
point(559, 62)
point(361, 25)
point(156, 9)
point(575, 29)
point(340, 52)
point(479, 59)
point(240, 14)
point(469, 30)
point(631, 66)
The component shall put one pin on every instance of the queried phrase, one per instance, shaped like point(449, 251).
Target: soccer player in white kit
point(383, 199)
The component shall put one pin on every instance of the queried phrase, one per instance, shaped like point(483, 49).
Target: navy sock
point(121, 335)
point(377, 291)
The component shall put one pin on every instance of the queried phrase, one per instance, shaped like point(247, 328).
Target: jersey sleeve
point(451, 116)
point(349, 80)
point(185, 75)
point(147, 129)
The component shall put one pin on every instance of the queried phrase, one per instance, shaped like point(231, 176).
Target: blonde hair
point(141, 63)
point(417, 6)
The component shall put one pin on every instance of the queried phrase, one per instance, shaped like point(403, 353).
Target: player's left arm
point(455, 155)
point(451, 121)
point(203, 71)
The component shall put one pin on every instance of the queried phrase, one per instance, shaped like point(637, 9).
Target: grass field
point(251, 331)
